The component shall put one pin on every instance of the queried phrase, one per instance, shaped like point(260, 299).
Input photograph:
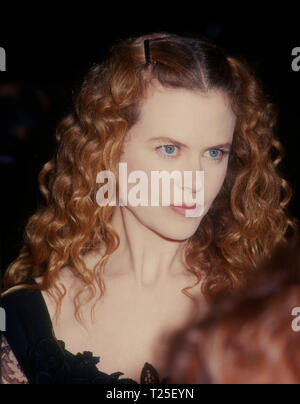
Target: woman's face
point(179, 130)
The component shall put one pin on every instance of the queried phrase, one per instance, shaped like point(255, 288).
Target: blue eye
point(217, 154)
point(168, 151)
point(214, 153)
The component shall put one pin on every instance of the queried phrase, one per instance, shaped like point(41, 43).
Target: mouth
point(184, 206)
point(186, 210)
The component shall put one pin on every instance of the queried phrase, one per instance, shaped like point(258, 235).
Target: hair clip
point(147, 51)
point(147, 48)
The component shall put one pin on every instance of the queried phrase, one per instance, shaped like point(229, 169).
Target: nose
point(192, 182)
point(193, 177)
point(197, 184)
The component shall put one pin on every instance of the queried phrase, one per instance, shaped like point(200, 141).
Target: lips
point(188, 211)
point(185, 206)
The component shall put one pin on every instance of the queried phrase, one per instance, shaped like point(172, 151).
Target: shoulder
point(11, 298)
point(21, 307)
point(23, 325)
point(24, 306)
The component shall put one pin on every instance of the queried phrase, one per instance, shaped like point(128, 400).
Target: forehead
point(186, 114)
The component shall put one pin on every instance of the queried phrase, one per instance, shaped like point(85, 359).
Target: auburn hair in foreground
point(248, 218)
point(250, 337)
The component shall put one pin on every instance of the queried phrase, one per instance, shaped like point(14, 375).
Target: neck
point(143, 255)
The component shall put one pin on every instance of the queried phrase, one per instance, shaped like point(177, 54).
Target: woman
point(112, 281)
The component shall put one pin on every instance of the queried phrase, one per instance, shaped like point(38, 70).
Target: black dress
point(44, 359)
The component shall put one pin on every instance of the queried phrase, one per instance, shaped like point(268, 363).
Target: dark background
point(47, 58)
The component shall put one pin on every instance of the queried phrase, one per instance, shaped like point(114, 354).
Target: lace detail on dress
point(53, 364)
point(149, 375)
point(11, 372)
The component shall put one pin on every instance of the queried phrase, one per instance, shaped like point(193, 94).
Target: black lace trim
point(53, 364)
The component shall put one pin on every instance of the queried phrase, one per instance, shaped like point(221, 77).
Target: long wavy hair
point(247, 219)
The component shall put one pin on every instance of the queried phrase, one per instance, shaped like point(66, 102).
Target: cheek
point(213, 181)
point(136, 159)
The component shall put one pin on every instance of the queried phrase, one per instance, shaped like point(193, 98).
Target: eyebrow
point(169, 139)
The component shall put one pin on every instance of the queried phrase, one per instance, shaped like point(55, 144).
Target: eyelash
point(224, 152)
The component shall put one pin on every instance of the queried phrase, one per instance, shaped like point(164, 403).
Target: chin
point(174, 227)
point(177, 236)
point(176, 231)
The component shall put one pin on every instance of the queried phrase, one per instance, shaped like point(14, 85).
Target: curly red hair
point(248, 217)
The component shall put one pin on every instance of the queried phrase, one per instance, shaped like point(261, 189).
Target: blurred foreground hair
point(246, 221)
point(249, 338)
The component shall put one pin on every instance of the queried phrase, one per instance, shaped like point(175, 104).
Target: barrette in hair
point(147, 48)
point(147, 51)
